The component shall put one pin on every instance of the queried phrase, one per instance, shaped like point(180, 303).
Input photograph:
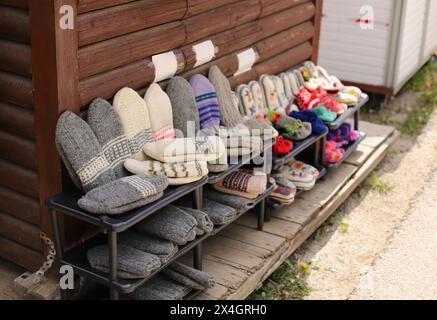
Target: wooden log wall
point(45, 70)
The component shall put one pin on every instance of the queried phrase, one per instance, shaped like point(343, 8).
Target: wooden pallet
point(241, 257)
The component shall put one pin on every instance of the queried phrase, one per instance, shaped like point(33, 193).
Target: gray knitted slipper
point(183, 101)
point(182, 279)
point(106, 124)
point(161, 288)
point(217, 212)
point(170, 223)
point(204, 223)
point(295, 129)
point(238, 203)
point(131, 263)
point(203, 278)
point(163, 249)
point(82, 153)
point(124, 194)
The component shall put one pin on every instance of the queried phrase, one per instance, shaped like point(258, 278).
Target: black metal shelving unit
point(349, 150)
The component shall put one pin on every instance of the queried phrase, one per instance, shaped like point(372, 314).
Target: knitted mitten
point(134, 117)
point(258, 97)
point(124, 194)
point(206, 100)
point(132, 263)
point(81, 152)
point(270, 93)
point(229, 116)
point(183, 102)
point(279, 85)
point(106, 124)
point(160, 113)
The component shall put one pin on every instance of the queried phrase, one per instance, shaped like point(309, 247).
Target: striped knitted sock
point(206, 100)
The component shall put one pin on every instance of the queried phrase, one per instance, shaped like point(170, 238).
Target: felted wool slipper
point(324, 114)
point(247, 184)
point(281, 146)
point(299, 78)
point(258, 97)
point(186, 149)
point(294, 129)
point(206, 100)
point(287, 86)
point(170, 223)
point(307, 100)
point(331, 103)
point(184, 108)
point(124, 194)
point(218, 213)
point(131, 263)
point(279, 85)
point(160, 113)
point(171, 170)
point(355, 91)
point(163, 249)
point(301, 178)
point(294, 83)
point(204, 279)
point(134, 117)
point(247, 101)
point(317, 125)
point(81, 152)
point(106, 125)
point(161, 287)
point(270, 94)
point(346, 98)
point(238, 203)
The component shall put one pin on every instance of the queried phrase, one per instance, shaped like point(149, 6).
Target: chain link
point(39, 275)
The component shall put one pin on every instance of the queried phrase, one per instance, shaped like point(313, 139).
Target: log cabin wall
point(49, 70)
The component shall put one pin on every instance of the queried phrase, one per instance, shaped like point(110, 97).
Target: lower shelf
point(349, 150)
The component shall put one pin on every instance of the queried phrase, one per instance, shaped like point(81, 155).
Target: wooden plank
point(18, 150)
point(20, 232)
point(225, 275)
point(91, 5)
point(14, 24)
point(269, 7)
point(16, 89)
point(218, 292)
point(18, 178)
point(277, 227)
point(15, 57)
point(195, 7)
point(20, 4)
point(375, 134)
point(123, 50)
point(257, 251)
point(20, 255)
point(221, 19)
point(360, 155)
point(126, 18)
point(17, 120)
point(299, 212)
point(253, 237)
point(19, 206)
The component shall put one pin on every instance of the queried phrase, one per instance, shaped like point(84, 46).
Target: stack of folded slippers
point(244, 183)
point(338, 141)
point(284, 191)
point(296, 175)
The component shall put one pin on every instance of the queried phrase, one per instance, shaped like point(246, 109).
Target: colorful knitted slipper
point(307, 100)
point(247, 101)
point(355, 91)
point(332, 153)
point(303, 179)
point(331, 103)
point(270, 93)
point(287, 86)
point(281, 146)
point(299, 165)
point(312, 70)
point(294, 83)
point(300, 79)
point(258, 97)
point(324, 114)
point(346, 98)
point(279, 85)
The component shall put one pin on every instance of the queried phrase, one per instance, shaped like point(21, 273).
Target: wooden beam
point(23, 256)
point(18, 150)
point(20, 4)
point(20, 206)
point(91, 5)
point(317, 22)
point(17, 120)
point(14, 24)
point(20, 179)
point(16, 89)
point(20, 231)
point(269, 7)
point(15, 57)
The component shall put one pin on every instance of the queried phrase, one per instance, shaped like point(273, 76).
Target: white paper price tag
point(166, 65)
point(246, 60)
point(205, 52)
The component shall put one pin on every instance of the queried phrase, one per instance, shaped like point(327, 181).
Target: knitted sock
point(294, 84)
point(186, 149)
point(203, 278)
point(160, 113)
point(124, 194)
point(218, 213)
point(258, 97)
point(106, 124)
point(247, 101)
point(270, 93)
point(238, 203)
point(134, 116)
point(229, 116)
point(317, 125)
point(163, 249)
point(279, 86)
point(170, 223)
point(183, 102)
point(287, 86)
point(132, 263)
point(206, 100)
point(171, 170)
point(203, 221)
point(80, 149)
point(161, 288)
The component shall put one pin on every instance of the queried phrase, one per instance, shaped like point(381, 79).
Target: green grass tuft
point(375, 183)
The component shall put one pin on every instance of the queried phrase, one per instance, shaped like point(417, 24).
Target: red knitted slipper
point(282, 146)
point(306, 99)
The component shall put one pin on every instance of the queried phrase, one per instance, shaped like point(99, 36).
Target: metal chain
point(46, 265)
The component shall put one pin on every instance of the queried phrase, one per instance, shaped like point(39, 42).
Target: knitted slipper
point(331, 103)
point(279, 85)
point(163, 249)
point(283, 194)
point(131, 263)
point(346, 98)
point(306, 168)
point(124, 194)
point(247, 101)
point(270, 93)
point(236, 102)
point(161, 287)
point(302, 179)
point(238, 203)
point(170, 223)
point(317, 125)
point(192, 169)
point(206, 100)
point(243, 181)
point(134, 117)
point(106, 125)
point(218, 213)
point(312, 70)
point(229, 116)
point(183, 102)
point(281, 146)
point(258, 96)
point(332, 153)
point(287, 86)
point(299, 78)
point(203, 278)
point(324, 114)
point(203, 221)
point(355, 91)
point(81, 152)
point(305, 73)
point(186, 149)
point(294, 129)
point(294, 83)
point(306, 99)
point(160, 113)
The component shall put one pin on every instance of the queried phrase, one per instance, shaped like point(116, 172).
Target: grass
point(375, 183)
point(286, 283)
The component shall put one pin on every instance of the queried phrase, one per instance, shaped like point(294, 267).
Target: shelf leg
point(357, 120)
point(197, 257)
point(322, 152)
point(262, 215)
point(112, 248)
point(317, 152)
point(58, 245)
point(198, 198)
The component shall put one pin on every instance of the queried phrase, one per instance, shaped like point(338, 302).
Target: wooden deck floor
point(241, 257)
